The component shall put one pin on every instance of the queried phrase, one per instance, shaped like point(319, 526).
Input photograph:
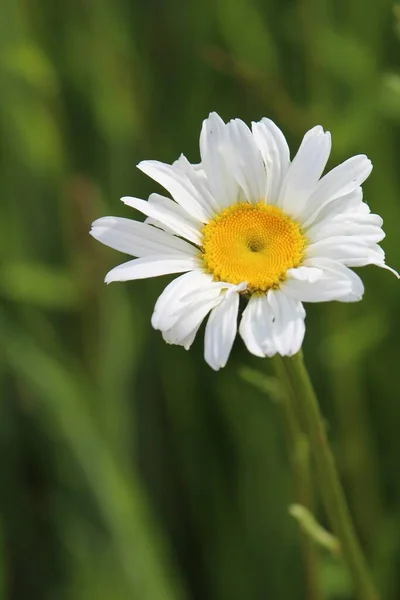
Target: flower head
point(248, 222)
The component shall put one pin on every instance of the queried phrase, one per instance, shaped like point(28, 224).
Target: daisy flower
point(247, 221)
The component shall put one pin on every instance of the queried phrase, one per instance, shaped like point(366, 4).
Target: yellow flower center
point(256, 243)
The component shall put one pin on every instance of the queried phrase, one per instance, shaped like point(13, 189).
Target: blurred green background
point(129, 469)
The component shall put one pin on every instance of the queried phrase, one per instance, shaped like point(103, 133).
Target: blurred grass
point(128, 468)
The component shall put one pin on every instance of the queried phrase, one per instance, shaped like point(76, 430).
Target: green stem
point(332, 491)
point(300, 464)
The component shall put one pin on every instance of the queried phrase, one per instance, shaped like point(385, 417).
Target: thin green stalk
point(331, 488)
point(300, 463)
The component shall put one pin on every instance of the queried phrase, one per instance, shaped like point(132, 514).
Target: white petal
point(155, 223)
point(181, 188)
point(275, 153)
point(357, 288)
point(138, 239)
point(375, 256)
point(256, 326)
point(349, 250)
point(336, 283)
point(217, 287)
point(185, 302)
point(341, 181)
point(305, 171)
point(187, 341)
point(246, 161)
point(272, 324)
point(367, 227)
point(184, 330)
point(178, 295)
point(159, 200)
point(221, 331)
point(152, 266)
point(388, 269)
point(198, 178)
point(361, 217)
point(310, 274)
point(288, 326)
point(214, 150)
point(351, 202)
point(170, 214)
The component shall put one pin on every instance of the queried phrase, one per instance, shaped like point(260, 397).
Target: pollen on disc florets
point(256, 243)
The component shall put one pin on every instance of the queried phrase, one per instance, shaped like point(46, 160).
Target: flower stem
point(331, 489)
point(300, 463)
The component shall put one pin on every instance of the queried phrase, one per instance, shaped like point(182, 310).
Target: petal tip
point(395, 273)
point(214, 366)
point(213, 118)
point(144, 165)
point(95, 229)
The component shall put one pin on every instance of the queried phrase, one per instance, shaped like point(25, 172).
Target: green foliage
point(128, 468)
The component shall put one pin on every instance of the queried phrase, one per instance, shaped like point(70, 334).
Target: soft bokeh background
point(130, 470)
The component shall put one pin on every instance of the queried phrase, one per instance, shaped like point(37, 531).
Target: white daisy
point(248, 222)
